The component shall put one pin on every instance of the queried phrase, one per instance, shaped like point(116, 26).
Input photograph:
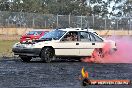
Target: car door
point(88, 42)
point(67, 48)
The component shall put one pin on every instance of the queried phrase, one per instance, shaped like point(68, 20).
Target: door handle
point(77, 43)
point(93, 43)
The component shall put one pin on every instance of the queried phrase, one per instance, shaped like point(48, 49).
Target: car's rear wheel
point(25, 58)
point(98, 53)
point(47, 54)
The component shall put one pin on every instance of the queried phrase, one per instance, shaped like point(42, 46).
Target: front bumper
point(27, 51)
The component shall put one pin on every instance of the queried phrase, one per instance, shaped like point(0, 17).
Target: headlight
point(19, 45)
point(37, 45)
point(30, 46)
point(16, 44)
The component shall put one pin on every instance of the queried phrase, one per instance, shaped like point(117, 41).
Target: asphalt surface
point(58, 74)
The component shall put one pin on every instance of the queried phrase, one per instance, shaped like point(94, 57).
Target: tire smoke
point(122, 55)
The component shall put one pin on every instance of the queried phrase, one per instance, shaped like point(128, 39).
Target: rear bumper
point(27, 51)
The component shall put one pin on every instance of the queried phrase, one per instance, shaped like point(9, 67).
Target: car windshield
point(34, 33)
point(55, 34)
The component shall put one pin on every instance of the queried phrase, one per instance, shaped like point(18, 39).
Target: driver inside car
point(71, 37)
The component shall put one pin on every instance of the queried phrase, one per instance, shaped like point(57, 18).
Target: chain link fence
point(35, 20)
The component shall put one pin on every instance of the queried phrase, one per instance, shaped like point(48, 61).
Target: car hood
point(39, 40)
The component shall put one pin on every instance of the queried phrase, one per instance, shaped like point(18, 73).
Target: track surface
point(59, 74)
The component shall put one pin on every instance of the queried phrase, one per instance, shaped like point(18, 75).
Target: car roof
point(80, 29)
point(77, 29)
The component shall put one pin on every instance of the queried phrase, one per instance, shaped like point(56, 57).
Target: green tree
point(4, 5)
point(104, 9)
point(67, 7)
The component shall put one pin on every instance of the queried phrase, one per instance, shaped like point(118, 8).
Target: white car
point(62, 43)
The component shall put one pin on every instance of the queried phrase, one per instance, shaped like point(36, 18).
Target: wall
point(15, 33)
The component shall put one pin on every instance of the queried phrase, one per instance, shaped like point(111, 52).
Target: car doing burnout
point(32, 35)
point(63, 43)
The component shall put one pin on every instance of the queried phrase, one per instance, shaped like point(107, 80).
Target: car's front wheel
point(25, 58)
point(47, 54)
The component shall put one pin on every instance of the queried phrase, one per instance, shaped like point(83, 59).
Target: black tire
point(101, 53)
point(98, 53)
point(25, 58)
point(47, 54)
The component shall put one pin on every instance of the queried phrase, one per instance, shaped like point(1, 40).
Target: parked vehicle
point(63, 43)
point(32, 35)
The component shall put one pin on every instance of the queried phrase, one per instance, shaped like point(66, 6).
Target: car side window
point(92, 37)
point(87, 36)
point(71, 36)
point(84, 36)
point(95, 38)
